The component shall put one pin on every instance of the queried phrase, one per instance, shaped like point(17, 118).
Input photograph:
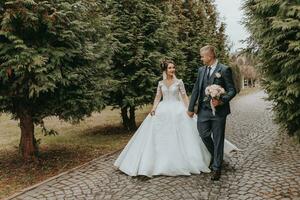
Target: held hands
point(190, 114)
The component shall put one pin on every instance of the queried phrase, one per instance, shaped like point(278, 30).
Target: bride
point(167, 142)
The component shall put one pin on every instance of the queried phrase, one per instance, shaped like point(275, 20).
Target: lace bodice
point(171, 93)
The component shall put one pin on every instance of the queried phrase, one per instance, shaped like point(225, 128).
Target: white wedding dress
point(167, 143)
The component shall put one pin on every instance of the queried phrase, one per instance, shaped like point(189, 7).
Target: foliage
point(199, 25)
point(52, 61)
point(144, 35)
point(275, 30)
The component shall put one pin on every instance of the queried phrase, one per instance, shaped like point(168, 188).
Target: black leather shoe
point(210, 165)
point(216, 175)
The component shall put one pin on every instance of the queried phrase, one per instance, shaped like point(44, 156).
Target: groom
point(219, 74)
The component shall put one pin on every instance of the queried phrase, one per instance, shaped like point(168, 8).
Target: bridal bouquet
point(214, 92)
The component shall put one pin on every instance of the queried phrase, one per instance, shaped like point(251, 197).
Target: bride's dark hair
point(164, 64)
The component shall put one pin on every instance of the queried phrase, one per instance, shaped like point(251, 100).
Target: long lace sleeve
point(181, 88)
point(183, 94)
point(157, 96)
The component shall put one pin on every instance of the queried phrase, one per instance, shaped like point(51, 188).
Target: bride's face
point(171, 69)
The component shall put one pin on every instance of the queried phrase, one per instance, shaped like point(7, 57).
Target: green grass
point(100, 127)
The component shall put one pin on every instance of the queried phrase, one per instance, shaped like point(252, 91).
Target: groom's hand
point(190, 114)
point(216, 102)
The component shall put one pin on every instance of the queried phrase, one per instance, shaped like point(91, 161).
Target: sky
point(231, 13)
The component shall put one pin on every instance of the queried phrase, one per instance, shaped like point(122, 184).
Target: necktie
point(208, 73)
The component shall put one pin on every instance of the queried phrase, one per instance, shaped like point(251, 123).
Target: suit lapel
point(213, 76)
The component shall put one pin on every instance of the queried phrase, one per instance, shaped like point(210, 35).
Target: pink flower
point(215, 92)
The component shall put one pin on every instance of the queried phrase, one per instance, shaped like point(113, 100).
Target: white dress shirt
point(213, 67)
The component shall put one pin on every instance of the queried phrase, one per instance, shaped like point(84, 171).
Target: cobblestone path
point(267, 168)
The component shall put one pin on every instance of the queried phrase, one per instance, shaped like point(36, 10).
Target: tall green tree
point(144, 34)
point(199, 25)
point(147, 32)
point(275, 28)
point(52, 58)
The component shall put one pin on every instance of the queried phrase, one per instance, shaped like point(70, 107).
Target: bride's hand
point(152, 113)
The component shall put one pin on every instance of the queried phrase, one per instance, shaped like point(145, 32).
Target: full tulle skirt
point(167, 143)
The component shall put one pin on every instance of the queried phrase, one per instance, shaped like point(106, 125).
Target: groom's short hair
point(209, 48)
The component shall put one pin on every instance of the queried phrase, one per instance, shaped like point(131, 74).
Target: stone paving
point(267, 168)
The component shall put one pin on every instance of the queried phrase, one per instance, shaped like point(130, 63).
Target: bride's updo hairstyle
point(164, 64)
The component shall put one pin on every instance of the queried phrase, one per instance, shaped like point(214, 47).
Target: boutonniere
point(218, 75)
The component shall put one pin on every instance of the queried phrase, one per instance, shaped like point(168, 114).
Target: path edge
point(27, 189)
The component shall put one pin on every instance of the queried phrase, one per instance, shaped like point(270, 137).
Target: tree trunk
point(28, 146)
point(125, 119)
point(128, 120)
point(132, 118)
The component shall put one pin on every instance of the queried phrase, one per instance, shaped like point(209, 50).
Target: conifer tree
point(199, 25)
point(275, 28)
point(145, 35)
point(52, 58)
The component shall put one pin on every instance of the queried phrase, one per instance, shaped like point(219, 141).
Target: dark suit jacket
point(225, 81)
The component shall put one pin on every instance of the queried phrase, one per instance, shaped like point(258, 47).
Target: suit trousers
point(212, 132)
